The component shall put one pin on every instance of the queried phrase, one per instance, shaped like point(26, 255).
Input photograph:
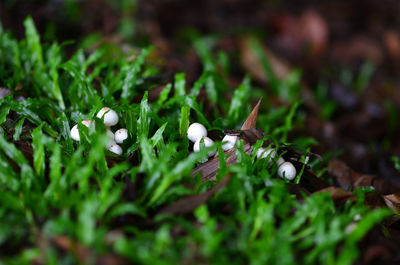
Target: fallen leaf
point(393, 202)
point(341, 172)
point(359, 47)
point(208, 170)
point(251, 62)
point(376, 252)
point(391, 39)
point(338, 194)
point(84, 254)
point(347, 179)
point(251, 121)
point(313, 31)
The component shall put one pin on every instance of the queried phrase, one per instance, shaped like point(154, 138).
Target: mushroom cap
point(196, 131)
point(121, 135)
point(280, 161)
point(207, 143)
point(87, 123)
point(111, 141)
point(110, 116)
point(287, 170)
point(264, 153)
point(75, 131)
point(228, 142)
point(114, 148)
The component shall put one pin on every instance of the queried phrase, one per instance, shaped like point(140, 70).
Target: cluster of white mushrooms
point(110, 119)
point(285, 169)
point(196, 132)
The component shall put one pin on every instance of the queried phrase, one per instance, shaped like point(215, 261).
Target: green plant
point(52, 187)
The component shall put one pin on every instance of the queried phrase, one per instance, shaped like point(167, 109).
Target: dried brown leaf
point(253, 65)
point(393, 202)
point(338, 194)
point(208, 170)
point(391, 39)
point(309, 179)
point(358, 47)
point(251, 120)
point(376, 252)
point(350, 179)
point(84, 254)
point(341, 172)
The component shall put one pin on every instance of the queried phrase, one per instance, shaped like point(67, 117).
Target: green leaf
point(12, 152)
point(148, 156)
point(55, 189)
point(239, 100)
point(54, 60)
point(143, 123)
point(23, 108)
point(181, 169)
point(367, 222)
point(38, 141)
point(82, 93)
point(195, 91)
point(157, 138)
point(180, 84)
point(164, 94)
point(8, 177)
point(125, 208)
point(26, 174)
point(94, 57)
point(33, 42)
point(258, 50)
point(130, 79)
point(396, 161)
point(215, 85)
point(289, 119)
point(4, 110)
point(18, 129)
point(55, 163)
point(189, 101)
point(184, 121)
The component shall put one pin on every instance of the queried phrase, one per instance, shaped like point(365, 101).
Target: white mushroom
point(111, 137)
point(196, 131)
point(280, 161)
point(207, 143)
point(87, 123)
point(287, 170)
point(110, 116)
point(114, 148)
point(110, 143)
point(75, 131)
point(266, 153)
point(228, 142)
point(121, 135)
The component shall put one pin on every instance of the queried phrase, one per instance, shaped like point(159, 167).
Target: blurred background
point(343, 57)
